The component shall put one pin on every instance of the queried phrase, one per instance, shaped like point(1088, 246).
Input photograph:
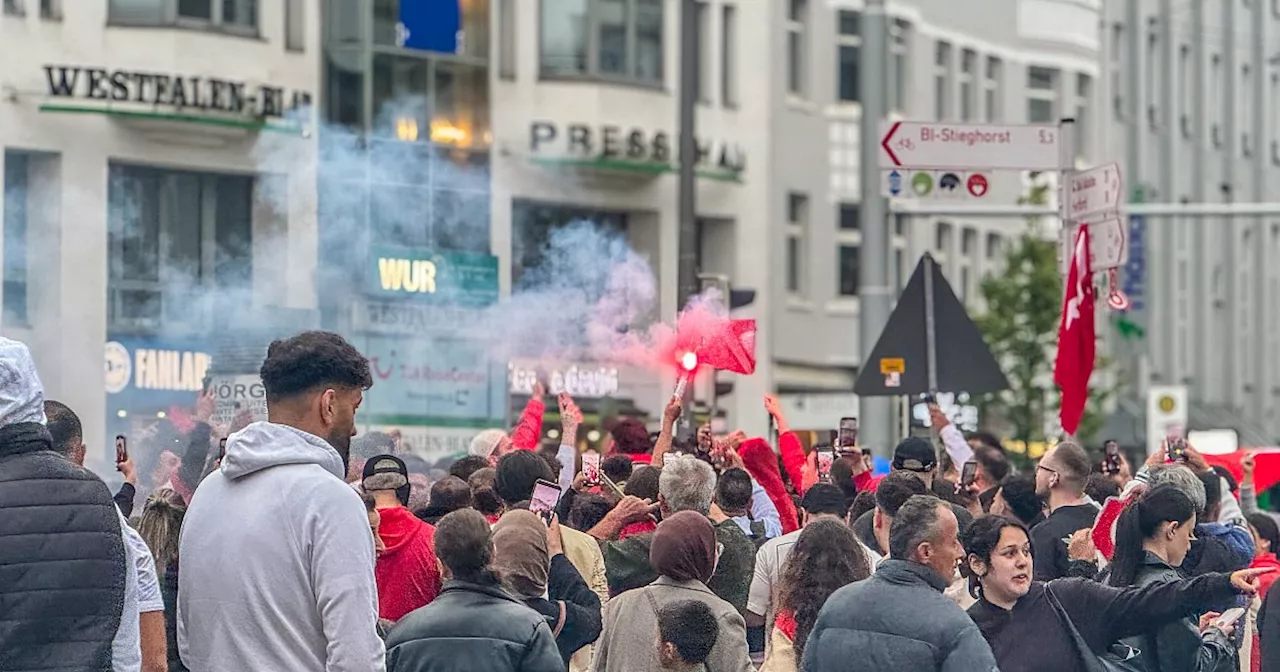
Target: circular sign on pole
point(977, 185)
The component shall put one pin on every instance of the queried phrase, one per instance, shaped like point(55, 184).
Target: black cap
point(824, 498)
point(388, 464)
point(915, 454)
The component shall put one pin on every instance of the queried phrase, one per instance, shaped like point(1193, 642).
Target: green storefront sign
point(445, 278)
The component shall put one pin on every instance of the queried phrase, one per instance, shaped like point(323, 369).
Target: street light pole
point(687, 266)
point(874, 292)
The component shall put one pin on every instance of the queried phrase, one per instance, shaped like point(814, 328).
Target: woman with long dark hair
point(1071, 621)
point(826, 557)
point(1153, 536)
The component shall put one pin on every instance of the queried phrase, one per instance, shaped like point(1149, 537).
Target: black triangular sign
point(964, 362)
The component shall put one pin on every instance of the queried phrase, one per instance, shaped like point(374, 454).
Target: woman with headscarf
point(684, 553)
point(529, 558)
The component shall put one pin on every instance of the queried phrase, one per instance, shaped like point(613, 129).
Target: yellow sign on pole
point(893, 365)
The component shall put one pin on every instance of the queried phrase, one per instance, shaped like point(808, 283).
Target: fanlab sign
point(180, 93)
point(468, 279)
point(614, 143)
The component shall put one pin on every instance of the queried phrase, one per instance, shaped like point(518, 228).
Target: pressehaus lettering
point(613, 142)
point(209, 94)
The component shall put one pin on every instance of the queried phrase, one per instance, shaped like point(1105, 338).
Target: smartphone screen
point(847, 435)
point(1111, 459)
point(1229, 616)
point(545, 496)
point(1177, 445)
point(122, 449)
point(591, 467)
point(825, 458)
point(222, 448)
point(968, 473)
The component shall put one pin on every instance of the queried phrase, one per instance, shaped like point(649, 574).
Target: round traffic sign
point(977, 185)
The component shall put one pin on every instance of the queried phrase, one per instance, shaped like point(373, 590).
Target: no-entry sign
point(914, 144)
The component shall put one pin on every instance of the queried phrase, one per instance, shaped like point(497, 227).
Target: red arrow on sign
point(885, 142)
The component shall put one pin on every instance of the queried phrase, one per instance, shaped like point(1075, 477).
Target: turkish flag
point(732, 348)
point(1076, 336)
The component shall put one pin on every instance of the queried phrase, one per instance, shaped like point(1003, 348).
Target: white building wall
point(68, 260)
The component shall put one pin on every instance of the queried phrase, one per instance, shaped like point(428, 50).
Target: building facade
point(157, 182)
point(584, 105)
point(1192, 93)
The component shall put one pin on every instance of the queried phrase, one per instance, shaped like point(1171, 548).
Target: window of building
point(51, 10)
point(848, 55)
point(898, 241)
point(995, 245)
point(1246, 110)
point(173, 237)
point(942, 81)
point(344, 88)
point(454, 110)
point(849, 217)
point(898, 32)
point(295, 25)
point(1117, 71)
point(899, 269)
point(942, 242)
point(16, 185)
point(610, 39)
point(1184, 95)
point(729, 56)
point(797, 223)
point(235, 16)
point(1275, 105)
point(900, 226)
point(1042, 95)
point(1215, 98)
point(993, 105)
point(797, 23)
point(968, 73)
point(507, 45)
point(968, 242)
point(1084, 126)
point(702, 79)
point(13, 8)
point(848, 270)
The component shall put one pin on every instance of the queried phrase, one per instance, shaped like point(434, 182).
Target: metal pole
point(687, 280)
point(1264, 377)
point(930, 330)
point(1230, 358)
point(1201, 363)
point(875, 292)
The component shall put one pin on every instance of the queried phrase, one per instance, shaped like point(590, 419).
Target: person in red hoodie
point(407, 573)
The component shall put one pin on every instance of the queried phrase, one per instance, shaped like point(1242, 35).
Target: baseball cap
point(914, 454)
point(386, 472)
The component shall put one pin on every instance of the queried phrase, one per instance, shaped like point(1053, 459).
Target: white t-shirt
point(772, 556)
point(141, 595)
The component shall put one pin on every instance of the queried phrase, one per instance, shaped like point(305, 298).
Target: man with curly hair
point(277, 559)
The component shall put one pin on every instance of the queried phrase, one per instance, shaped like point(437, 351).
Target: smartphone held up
point(122, 449)
point(545, 497)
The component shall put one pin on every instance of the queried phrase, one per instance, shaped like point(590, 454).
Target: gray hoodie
point(276, 562)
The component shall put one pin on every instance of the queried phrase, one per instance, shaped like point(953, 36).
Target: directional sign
point(1094, 191)
point(1108, 247)
point(914, 144)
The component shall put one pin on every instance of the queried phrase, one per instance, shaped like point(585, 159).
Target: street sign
point(935, 184)
point(1107, 244)
point(914, 144)
point(1094, 191)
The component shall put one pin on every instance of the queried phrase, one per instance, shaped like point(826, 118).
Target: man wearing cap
point(822, 501)
point(407, 573)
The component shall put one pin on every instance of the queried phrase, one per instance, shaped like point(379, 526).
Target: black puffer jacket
point(62, 559)
point(473, 627)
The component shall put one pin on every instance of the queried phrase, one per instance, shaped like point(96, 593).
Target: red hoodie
point(1264, 584)
point(529, 430)
point(407, 574)
point(762, 464)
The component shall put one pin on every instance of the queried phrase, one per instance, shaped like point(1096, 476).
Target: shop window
point(532, 258)
point(234, 16)
point(15, 238)
point(180, 247)
point(610, 39)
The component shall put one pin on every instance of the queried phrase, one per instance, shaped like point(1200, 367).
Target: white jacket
point(276, 562)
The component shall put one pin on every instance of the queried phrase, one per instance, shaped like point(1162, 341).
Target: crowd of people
point(295, 545)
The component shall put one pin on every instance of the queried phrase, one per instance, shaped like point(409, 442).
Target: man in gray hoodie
point(276, 557)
